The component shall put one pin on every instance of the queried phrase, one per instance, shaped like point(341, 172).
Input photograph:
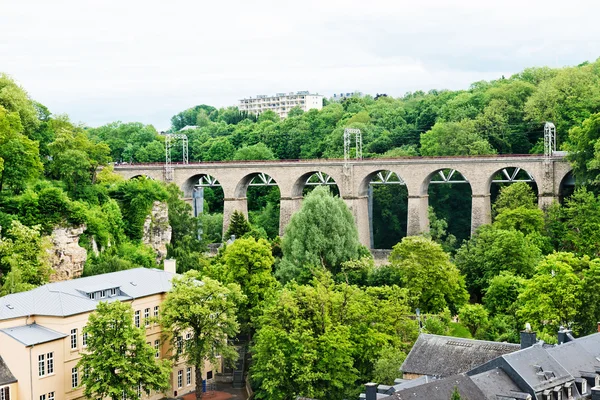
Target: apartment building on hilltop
point(281, 103)
point(41, 333)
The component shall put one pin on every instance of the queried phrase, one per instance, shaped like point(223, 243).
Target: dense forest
point(320, 317)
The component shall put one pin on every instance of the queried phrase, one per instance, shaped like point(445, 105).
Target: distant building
point(344, 96)
point(281, 103)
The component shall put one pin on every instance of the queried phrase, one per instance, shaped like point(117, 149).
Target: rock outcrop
point(66, 256)
point(157, 231)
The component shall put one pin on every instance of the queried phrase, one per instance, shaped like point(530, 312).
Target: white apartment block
point(281, 103)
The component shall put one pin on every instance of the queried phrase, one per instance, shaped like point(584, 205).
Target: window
point(209, 375)
point(179, 344)
point(74, 378)
point(42, 365)
point(147, 317)
point(5, 393)
point(113, 291)
point(139, 391)
point(43, 397)
point(157, 348)
point(136, 319)
point(50, 363)
point(51, 396)
point(188, 376)
point(102, 294)
point(73, 338)
point(180, 378)
point(188, 336)
point(155, 311)
point(84, 339)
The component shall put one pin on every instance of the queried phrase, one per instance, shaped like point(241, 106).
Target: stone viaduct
point(354, 177)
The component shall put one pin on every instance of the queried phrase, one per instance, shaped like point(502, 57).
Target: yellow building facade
point(41, 333)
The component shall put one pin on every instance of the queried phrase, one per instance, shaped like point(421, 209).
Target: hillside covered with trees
point(320, 318)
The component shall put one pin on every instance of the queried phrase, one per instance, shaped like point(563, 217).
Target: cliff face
point(157, 231)
point(66, 256)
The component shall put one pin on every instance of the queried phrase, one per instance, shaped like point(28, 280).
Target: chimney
point(371, 391)
point(170, 265)
point(528, 338)
point(596, 393)
point(564, 335)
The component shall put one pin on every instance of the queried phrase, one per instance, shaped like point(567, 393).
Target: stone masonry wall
point(66, 256)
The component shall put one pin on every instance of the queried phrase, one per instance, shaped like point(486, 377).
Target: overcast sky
point(133, 60)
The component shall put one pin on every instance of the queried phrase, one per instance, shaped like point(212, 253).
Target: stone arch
point(508, 175)
point(566, 186)
point(387, 220)
point(202, 179)
point(253, 178)
point(450, 193)
point(303, 181)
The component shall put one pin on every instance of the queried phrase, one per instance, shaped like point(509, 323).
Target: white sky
point(133, 60)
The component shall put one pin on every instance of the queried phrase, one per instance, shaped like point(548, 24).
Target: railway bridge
point(353, 179)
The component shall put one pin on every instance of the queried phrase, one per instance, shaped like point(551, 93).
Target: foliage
point(136, 197)
point(248, 262)
point(584, 151)
point(212, 227)
point(474, 317)
point(551, 298)
point(259, 151)
point(205, 309)
point(437, 232)
point(434, 282)
point(502, 293)
point(455, 394)
point(492, 250)
point(118, 360)
point(516, 195)
point(454, 139)
point(323, 340)
point(322, 233)
point(238, 225)
point(19, 154)
point(387, 367)
point(24, 262)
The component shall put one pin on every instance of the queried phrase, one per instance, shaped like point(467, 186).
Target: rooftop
point(442, 356)
point(441, 390)
point(32, 334)
point(71, 297)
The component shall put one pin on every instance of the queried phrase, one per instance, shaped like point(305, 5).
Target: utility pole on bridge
point(169, 137)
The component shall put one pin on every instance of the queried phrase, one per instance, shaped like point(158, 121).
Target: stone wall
point(66, 256)
point(157, 231)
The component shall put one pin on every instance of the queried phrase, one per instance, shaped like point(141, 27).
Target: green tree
point(259, 151)
point(387, 367)
point(552, 298)
point(502, 293)
point(492, 250)
point(454, 139)
point(473, 317)
point(24, 259)
point(455, 394)
point(322, 233)
point(205, 309)
point(584, 150)
point(238, 226)
point(118, 362)
point(13, 99)
point(19, 154)
point(590, 298)
point(248, 263)
point(513, 196)
point(434, 282)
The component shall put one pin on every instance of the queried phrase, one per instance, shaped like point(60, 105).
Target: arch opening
point(506, 177)
point(307, 182)
point(263, 199)
point(205, 194)
point(567, 187)
point(388, 207)
point(141, 176)
point(450, 197)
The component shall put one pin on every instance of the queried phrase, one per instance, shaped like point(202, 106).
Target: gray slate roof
point(68, 297)
point(444, 356)
point(6, 376)
point(496, 382)
point(441, 390)
point(32, 334)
